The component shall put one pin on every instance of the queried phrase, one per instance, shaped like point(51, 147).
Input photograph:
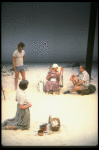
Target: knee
point(76, 79)
point(79, 88)
point(71, 79)
point(16, 77)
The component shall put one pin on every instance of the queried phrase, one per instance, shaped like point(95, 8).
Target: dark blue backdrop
point(51, 31)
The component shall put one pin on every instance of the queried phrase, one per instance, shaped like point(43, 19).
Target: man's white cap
point(54, 66)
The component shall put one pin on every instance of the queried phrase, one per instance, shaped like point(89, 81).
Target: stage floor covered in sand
point(78, 114)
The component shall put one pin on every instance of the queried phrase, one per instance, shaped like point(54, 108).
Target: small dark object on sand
point(40, 132)
point(66, 92)
point(12, 69)
point(91, 89)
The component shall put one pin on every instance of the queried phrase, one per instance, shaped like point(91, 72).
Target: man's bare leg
point(74, 80)
point(16, 79)
point(77, 88)
point(23, 74)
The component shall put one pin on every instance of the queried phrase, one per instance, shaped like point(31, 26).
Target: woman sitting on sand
point(22, 118)
point(53, 78)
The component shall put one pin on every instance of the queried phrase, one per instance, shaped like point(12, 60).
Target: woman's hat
point(54, 66)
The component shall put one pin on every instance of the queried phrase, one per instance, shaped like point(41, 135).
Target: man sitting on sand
point(80, 81)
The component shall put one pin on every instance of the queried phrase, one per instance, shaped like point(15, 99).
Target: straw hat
point(54, 66)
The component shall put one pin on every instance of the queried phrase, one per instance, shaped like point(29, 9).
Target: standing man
point(18, 57)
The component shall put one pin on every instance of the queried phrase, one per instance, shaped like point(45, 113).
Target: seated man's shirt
point(84, 76)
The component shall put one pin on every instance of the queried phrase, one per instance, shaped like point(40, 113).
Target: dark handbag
point(43, 127)
point(91, 89)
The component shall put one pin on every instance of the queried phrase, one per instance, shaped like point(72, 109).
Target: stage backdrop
point(51, 31)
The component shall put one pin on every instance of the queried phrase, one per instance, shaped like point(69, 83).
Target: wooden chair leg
point(3, 92)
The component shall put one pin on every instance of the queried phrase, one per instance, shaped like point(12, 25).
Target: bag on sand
point(43, 127)
point(40, 86)
point(91, 89)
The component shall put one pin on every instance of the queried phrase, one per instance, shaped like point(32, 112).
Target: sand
point(78, 114)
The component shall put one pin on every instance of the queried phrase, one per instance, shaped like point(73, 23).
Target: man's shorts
point(84, 87)
point(20, 68)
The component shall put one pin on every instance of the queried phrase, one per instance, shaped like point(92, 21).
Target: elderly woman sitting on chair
point(53, 78)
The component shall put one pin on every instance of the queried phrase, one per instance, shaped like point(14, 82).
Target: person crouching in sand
point(22, 118)
point(80, 81)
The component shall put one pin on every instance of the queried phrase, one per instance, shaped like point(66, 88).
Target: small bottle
point(12, 73)
point(48, 126)
point(48, 129)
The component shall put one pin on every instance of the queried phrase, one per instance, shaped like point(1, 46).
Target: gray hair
point(83, 67)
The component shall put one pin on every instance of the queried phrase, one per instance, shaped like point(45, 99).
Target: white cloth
point(53, 79)
point(19, 57)
point(21, 97)
point(40, 86)
point(54, 123)
point(84, 76)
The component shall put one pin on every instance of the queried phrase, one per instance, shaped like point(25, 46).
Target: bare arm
point(14, 60)
point(81, 82)
point(1, 87)
point(48, 77)
point(58, 77)
point(74, 75)
point(25, 106)
point(24, 57)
